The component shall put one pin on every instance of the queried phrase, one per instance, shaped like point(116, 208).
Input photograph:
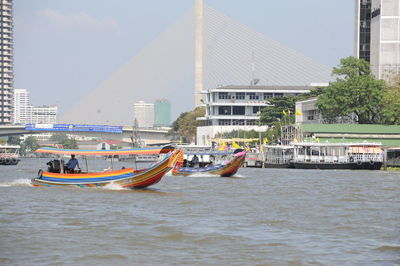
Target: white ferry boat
point(9, 154)
point(364, 155)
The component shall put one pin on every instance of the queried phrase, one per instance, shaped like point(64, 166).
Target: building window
point(224, 110)
point(238, 122)
point(256, 109)
point(223, 95)
point(312, 115)
point(278, 94)
point(252, 96)
point(240, 95)
point(268, 95)
point(224, 122)
point(251, 122)
point(238, 110)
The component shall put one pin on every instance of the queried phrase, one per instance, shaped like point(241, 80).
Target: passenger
point(72, 163)
point(195, 161)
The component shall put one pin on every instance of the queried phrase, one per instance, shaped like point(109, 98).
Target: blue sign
point(73, 128)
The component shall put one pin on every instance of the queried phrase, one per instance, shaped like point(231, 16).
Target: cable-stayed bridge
point(203, 49)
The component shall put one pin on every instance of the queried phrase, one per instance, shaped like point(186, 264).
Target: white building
point(143, 114)
point(231, 108)
point(24, 113)
point(21, 107)
point(44, 114)
point(6, 61)
point(377, 37)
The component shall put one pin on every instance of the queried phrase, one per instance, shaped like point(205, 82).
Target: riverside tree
point(354, 91)
point(390, 113)
point(186, 124)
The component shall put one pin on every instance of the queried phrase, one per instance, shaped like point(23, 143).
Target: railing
point(366, 157)
point(278, 159)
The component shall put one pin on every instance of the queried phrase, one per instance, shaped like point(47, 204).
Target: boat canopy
point(152, 150)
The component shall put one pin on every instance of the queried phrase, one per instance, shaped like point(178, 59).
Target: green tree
point(29, 145)
point(14, 140)
point(270, 115)
point(354, 91)
point(186, 124)
point(391, 103)
point(63, 139)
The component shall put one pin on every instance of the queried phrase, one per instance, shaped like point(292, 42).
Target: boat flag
point(222, 147)
point(235, 145)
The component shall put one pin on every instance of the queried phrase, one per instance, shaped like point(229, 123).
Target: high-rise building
point(21, 107)
point(377, 37)
point(162, 113)
point(362, 36)
point(24, 113)
point(6, 61)
point(143, 114)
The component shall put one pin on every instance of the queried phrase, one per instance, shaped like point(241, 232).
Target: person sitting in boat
point(72, 163)
point(195, 161)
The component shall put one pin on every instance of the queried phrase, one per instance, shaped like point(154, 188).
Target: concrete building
point(44, 114)
point(143, 114)
point(162, 113)
point(231, 108)
point(6, 61)
point(309, 114)
point(377, 37)
point(21, 107)
point(24, 113)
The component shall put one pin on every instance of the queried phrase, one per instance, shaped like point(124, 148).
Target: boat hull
point(125, 178)
point(355, 165)
point(273, 165)
point(226, 170)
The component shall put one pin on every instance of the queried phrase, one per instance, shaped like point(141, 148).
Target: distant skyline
point(65, 49)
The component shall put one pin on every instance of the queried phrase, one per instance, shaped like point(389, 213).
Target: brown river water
point(259, 217)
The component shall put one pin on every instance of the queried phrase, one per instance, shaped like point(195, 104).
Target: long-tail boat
point(57, 175)
point(224, 169)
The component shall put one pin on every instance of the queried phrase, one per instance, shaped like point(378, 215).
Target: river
point(259, 217)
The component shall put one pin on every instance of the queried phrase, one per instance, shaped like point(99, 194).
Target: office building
point(377, 36)
point(143, 114)
point(24, 113)
point(231, 108)
point(162, 113)
point(21, 107)
point(6, 61)
point(44, 114)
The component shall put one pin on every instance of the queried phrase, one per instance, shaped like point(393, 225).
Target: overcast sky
point(70, 47)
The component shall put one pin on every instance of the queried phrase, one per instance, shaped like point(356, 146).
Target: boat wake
point(113, 186)
point(17, 183)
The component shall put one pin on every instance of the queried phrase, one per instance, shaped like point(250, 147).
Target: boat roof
point(152, 150)
point(330, 144)
point(10, 146)
point(208, 152)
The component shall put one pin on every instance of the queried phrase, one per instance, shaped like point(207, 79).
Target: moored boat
point(9, 154)
point(58, 175)
point(364, 155)
point(224, 169)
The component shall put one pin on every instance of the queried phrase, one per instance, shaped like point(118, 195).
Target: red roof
point(110, 142)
